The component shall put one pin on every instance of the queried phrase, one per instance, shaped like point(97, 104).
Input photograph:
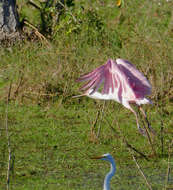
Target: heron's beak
point(97, 157)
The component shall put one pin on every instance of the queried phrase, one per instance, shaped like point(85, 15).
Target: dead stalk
point(31, 2)
point(161, 137)
point(168, 169)
point(96, 119)
point(8, 140)
point(125, 141)
point(148, 133)
point(93, 135)
point(160, 113)
point(102, 113)
point(113, 129)
point(9, 93)
point(141, 172)
point(149, 140)
point(134, 149)
point(19, 85)
point(40, 36)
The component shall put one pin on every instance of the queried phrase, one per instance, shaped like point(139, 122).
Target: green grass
point(51, 148)
point(50, 132)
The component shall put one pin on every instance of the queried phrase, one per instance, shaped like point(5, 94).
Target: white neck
point(109, 176)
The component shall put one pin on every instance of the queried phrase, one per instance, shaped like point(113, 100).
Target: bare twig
point(9, 92)
point(31, 2)
point(146, 119)
point(149, 140)
point(168, 169)
point(141, 172)
point(112, 128)
point(96, 119)
point(8, 139)
point(147, 131)
point(134, 149)
point(99, 112)
point(160, 112)
point(41, 94)
point(161, 137)
point(40, 36)
point(102, 113)
point(19, 84)
point(93, 135)
point(125, 141)
point(66, 10)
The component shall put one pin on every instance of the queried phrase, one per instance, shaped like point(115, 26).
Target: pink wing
point(120, 75)
point(102, 74)
point(136, 80)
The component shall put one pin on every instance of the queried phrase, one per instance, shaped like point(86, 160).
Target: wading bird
point(122, 82)
point(112, 171)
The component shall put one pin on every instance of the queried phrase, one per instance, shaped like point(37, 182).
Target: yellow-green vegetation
point(52, 135)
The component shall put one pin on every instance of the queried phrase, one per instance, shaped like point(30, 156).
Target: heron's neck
point(109, 176)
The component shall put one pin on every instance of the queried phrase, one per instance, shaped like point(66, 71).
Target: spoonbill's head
point(106, 157)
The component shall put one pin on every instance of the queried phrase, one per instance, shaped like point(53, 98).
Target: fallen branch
point(40, 36)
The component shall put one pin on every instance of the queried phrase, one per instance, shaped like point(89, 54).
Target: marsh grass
point(51, 148)
point(50, 132)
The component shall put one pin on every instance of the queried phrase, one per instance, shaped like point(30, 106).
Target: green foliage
point(50, 12)
point(81, 23)
point(57, 17)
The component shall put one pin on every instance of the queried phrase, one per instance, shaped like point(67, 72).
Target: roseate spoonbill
point(122, 83)
point(112, 171)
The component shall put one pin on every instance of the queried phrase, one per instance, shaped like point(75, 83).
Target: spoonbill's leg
point(146, 119)
point(141, 130)
point(127, 105)
point(147, 132)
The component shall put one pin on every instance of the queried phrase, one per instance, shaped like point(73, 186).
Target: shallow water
point(126, 178)
point(130, 178)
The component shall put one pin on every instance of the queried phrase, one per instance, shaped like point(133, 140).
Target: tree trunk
point(9, 20)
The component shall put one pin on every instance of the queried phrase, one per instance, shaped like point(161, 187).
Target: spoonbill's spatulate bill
point(112, 171)
point(121, 81)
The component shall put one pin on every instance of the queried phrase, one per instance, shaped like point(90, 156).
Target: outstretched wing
point(134, 78)
point(98, 76)
point(120, 77)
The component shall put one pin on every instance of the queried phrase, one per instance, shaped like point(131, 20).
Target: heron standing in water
point(112, 171)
